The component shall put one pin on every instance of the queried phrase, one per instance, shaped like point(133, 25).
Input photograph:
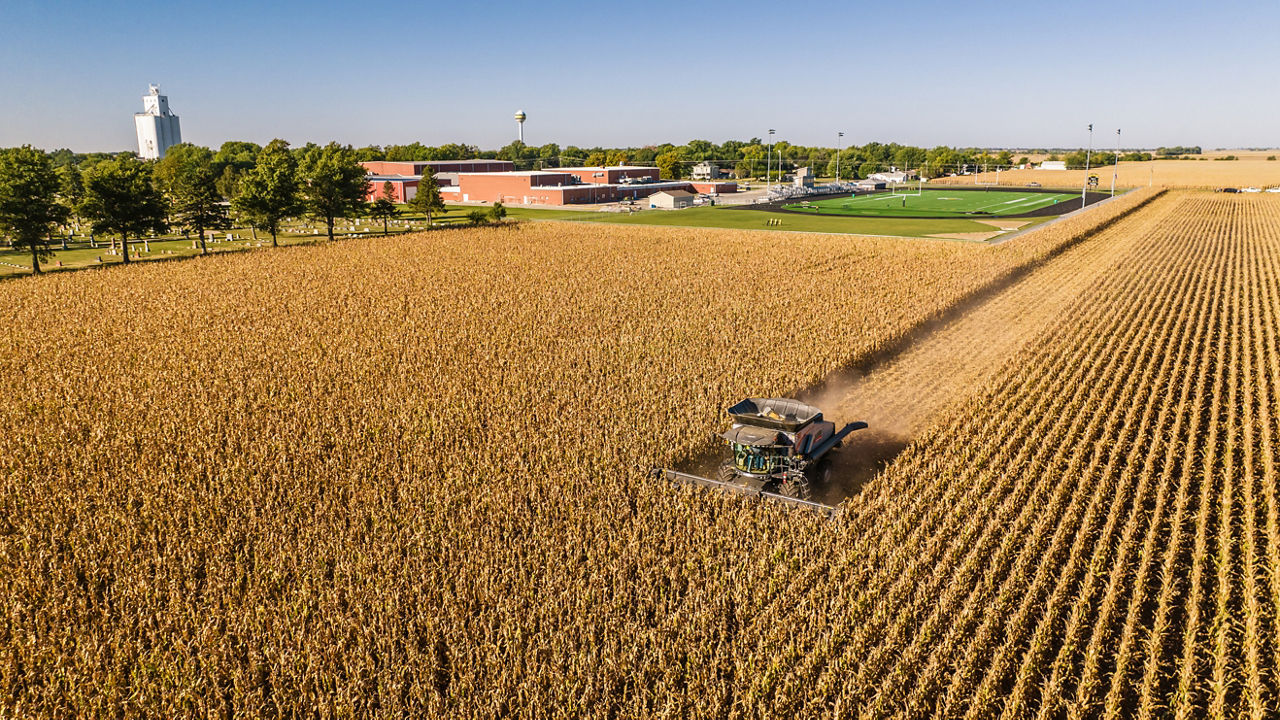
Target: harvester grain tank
point(778, 449)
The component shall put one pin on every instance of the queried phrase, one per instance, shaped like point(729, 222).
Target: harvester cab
point(778, 449)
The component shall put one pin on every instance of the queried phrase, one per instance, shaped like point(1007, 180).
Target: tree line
point(192, 189)
point(752, 158)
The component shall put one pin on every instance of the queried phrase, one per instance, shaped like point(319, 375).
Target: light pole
point(768, 163)
point(1116, 169)
point(839, 147)
point(1087, 156)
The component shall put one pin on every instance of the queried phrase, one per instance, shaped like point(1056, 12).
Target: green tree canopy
point(333, 183)
point(187, 176)
point(498, 212)
point(29, 208)
point(121, 199)
point(669, 164)
point(270, 192)
point(71, 191)
point(427, 200)
point(384, 207)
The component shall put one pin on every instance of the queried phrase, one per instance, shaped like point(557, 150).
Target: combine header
point(778, 447)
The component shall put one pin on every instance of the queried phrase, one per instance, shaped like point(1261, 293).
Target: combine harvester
point(778, 448)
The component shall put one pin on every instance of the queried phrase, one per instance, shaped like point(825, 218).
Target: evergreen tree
point(428, 199)
point(384, 208)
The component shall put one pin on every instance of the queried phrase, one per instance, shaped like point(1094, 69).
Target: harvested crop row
point(1149, 520)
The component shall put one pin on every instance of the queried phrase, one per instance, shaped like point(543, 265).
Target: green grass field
point(933, 203)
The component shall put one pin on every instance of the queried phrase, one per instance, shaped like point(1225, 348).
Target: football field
point(933, 203)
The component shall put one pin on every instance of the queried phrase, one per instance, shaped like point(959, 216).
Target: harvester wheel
point(727, 472)
point(796, 486)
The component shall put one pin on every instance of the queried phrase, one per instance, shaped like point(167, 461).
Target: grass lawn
point(935, 203)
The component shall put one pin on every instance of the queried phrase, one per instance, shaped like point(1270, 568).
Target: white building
point(1053, 165)
point(705, 171)
point(157, 127)
point(671, 200)
point(893, 177)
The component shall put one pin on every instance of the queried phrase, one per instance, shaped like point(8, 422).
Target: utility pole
point(1116, 169)
point(839, 147)
point(1087, 156)
point(768, 163)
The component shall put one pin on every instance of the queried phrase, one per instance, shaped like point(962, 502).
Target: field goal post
point(902, 188)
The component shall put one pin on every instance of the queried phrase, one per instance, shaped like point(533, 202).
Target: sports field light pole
point(1115, 169)
point(839, 147)
point(768, 164)
point(1087, 156)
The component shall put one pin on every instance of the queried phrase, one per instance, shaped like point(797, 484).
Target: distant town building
point(893, 176)
point(157, 127)
point(1053, 165)
point(706, 171)
point(671, 199)
point(572, 185)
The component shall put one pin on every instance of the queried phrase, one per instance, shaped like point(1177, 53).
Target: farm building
point(1053, 165)
point(671, 199)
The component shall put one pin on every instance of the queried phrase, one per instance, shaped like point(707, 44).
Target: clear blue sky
point(604, 73)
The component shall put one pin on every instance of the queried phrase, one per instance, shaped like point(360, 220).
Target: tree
point(333, 183)
point(427, 200)
point(669, 164)
point(753, 153)
point(71, 194)
point(384, 208)
point(29, 208)
point(478, 216)
point(498, 212)
point(120, 198)
point(596, 159)
point(187, 176)
point(269, 193)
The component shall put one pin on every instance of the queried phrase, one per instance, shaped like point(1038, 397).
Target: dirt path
point(943, 365)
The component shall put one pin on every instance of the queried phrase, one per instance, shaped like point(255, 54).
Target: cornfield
point(407, 476)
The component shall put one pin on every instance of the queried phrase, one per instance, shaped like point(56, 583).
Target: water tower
point(520, 116)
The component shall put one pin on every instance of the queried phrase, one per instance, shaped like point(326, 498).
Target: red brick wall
point(399, 188)
point(487, 188)
point(612, 176)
